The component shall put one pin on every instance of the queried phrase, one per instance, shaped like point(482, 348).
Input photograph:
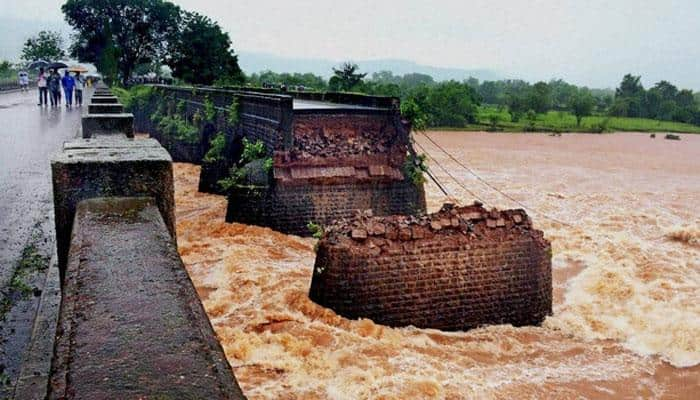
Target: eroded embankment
point(623, 286)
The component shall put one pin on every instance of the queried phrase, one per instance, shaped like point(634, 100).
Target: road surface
point(29, 134)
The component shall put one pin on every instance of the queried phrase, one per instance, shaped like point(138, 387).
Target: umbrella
point(57, 65)
point(37, 64)
point(77, 68)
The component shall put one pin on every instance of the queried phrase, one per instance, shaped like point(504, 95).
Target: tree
point(201, 52)
point(5, 66)
point(629, 97)
point(134, 31)
point(46, 45)
point(581, 105)
point(539, 98)
point(345, 78)
point(452, 103)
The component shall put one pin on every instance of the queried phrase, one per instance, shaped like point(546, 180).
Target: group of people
point(50, 84)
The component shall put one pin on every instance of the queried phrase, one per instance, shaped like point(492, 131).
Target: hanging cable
point(457, 181)
point(482, 180)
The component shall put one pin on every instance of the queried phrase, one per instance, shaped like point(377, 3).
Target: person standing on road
point(41, 84)
point(68, 84)
point(54, 85)
point(79, 85)
point(23, 78)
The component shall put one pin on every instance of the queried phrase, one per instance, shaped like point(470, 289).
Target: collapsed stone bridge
point(131, 324)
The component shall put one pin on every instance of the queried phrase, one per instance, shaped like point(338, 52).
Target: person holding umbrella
point(79, 83)
point(68, 84)
point(54, 84)
point(43, 90)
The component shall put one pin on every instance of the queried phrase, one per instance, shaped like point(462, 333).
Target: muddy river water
point(621, 211)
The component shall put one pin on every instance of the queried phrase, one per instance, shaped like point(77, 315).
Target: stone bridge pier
point(130, 323)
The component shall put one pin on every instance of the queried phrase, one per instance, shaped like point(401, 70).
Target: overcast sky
point(589, 42)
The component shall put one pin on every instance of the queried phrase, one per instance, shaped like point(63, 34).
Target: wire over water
point(482, 180)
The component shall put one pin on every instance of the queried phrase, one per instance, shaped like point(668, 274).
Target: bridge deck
point(300, 104)
point(131, 325)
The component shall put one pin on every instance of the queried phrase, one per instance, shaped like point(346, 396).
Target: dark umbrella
point(57, 65)
point(37, 64)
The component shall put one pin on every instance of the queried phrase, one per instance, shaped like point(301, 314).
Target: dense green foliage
point(663, 101)
point(252, 151)
point(46, 45)
point(565, 121)
point(516, 104)
point(135, 98)
point(133, 31)
point(125, 36)
point(201, 53)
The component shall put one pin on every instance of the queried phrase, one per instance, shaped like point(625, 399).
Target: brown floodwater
point(626, 265)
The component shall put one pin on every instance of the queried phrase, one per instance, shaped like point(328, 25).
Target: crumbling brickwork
point(454, 270)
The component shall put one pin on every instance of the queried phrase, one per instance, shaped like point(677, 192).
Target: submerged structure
point(457, 269)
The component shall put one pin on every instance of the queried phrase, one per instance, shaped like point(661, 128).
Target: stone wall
point(289, 208)
point(454, 270)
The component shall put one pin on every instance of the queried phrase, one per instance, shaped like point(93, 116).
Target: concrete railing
point(131, 324)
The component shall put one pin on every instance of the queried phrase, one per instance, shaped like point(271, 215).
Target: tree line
point(455, 104)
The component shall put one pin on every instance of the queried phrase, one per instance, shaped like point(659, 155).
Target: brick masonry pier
point(457, 269)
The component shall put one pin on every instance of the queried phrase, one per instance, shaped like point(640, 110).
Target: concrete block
point(104, 100)
point(101, 108)
point(108, 124)
point(114, 166)
point(131, 323)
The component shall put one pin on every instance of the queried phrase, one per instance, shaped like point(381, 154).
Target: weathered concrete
point(104, 100)
point(98, 108)
point(106, 167)
point(131, 324)
point(108, 124)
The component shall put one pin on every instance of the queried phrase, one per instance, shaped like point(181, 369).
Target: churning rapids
point(626, 320)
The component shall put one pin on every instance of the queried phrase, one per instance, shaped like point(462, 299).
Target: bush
point(178, 128)
point(252, 151)
point(216, 148)
point(209, 110)
point(134, 99)
point(233, 113)
point(414, 167)
point(316, 230)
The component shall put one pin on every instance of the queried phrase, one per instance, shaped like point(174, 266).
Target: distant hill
point(252, 62)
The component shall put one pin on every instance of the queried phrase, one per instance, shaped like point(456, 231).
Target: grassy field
point(562, 121)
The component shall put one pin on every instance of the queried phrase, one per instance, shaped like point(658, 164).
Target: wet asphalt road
point(28, 136)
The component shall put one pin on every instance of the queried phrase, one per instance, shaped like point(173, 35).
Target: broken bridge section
point(457, 269)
